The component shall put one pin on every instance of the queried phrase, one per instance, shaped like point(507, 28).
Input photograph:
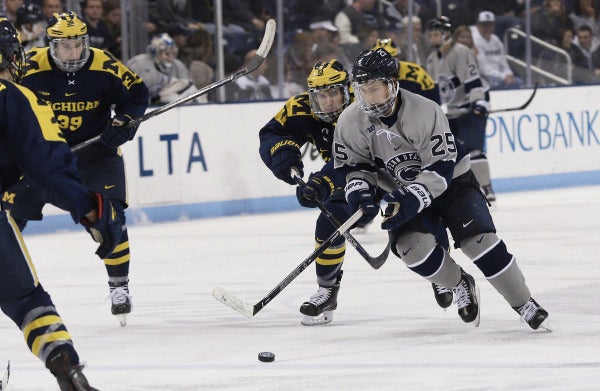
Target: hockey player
point(81, 83)
point(310, 117)
point(402, 142)
point(454, 67)
point(31, 144)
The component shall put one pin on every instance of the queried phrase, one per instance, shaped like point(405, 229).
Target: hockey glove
point(285, 155)
point(403, 204)
point(360, 194)
point(116, 133)
point(106, 229)
point(318, 187)
point(481, 107)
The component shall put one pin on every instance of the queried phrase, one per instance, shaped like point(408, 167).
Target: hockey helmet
point(69, 41)
point(388, 45)
point(328, 81)
point(441, 23)
point(163, 51)
point(372, 70)
point(12, 55)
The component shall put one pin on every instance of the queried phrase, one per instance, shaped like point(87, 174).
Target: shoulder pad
point(413, 72)
point(298, 105)
point(103, 61)
point(37, 61)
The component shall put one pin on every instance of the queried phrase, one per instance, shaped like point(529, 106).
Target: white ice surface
point(387, 334)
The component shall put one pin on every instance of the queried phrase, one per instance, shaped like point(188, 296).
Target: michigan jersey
point(29, 129)
point(82, 100)
point(414, 78)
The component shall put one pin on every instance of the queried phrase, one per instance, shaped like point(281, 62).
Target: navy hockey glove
point(116, 134)
point(360, 194)
point(285, 155)
point(403, 204)
point(106, 229)
point(481, 107)
point(318, 187)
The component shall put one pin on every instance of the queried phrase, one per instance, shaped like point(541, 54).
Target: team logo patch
point(405, 167)
point(447, 89)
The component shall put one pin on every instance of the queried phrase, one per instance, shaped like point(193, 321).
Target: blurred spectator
point(31, 26)
point(509, 13)
point(180, 34)
point(201, 74)
point(100, 36)
point(356, 17)
point(50, 7)
point(589, 50)
point(112, 19)
point(397, 11)
point(165, 76)
point(298, 61)
point(166, 12)
point(585, 14)
point(326, 43)
point(10, 9)
point(198, 46)
point(253, 86)
point(548, 21)
point(367, 38)
point(462, 34)
point(420, 46)
point(493, 65)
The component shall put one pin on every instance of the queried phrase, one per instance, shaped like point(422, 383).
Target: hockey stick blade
point(523, 106)
point(230, 300)
point(375, 262)
point(249, 310)
point(253, 64)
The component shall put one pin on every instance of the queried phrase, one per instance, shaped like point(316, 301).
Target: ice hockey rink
point(387, 334)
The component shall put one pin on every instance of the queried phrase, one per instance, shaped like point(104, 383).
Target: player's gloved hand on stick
point(481, 107)
point(116, 133)
point(318, 187)
point(360, 194)
point(106, 229)
point(285, 155)
point(403, 204)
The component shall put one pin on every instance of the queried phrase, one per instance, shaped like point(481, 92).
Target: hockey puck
point(266, 357)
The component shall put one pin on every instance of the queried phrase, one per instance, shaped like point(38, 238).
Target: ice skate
point(443, 296)
point(535, 316)
point(319, 308)
point(120, 301)
point(69, 377)
point(466, 297)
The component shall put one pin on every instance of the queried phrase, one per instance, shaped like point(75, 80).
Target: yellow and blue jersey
point(82, 100)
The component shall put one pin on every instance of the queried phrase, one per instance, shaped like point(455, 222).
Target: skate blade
point(546, 326)
point(122, 319)
point(325, 318)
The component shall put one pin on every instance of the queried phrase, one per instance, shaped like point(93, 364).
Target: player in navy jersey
point(81, 84)
point(31, 144)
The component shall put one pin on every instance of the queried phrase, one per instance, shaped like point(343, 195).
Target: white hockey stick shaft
point(261, 55)
point(249, 310)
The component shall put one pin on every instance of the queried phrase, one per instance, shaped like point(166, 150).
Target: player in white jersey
point(402, 142)
point(455, 70)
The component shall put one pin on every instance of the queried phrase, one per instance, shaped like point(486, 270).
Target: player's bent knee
point(475, 246)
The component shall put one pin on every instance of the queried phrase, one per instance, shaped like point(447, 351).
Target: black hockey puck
point(266, 357)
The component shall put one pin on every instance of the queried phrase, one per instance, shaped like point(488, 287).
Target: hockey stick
point(261, 54)
point(523, 106)
point(375, 262)
point(249, 310)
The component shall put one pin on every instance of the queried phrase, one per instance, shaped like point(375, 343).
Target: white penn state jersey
point(457, 75)
point(417, 148)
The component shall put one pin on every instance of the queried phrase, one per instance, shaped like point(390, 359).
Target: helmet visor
point(328, 102)
point(376, 96)
point(70, 54)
